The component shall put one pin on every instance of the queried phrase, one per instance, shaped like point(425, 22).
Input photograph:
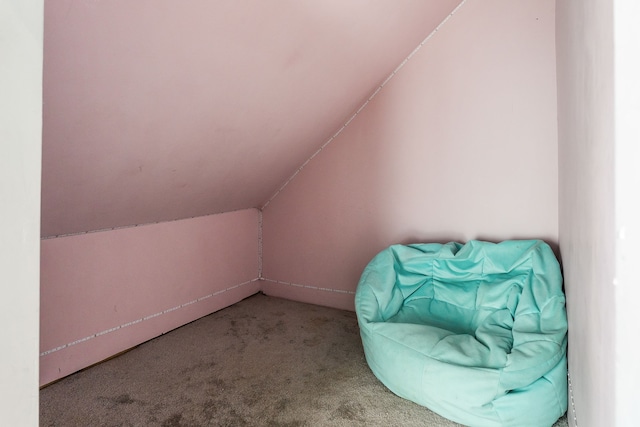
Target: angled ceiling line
point(362, 107)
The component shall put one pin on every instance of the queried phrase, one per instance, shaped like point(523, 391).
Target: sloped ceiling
point(157, 110)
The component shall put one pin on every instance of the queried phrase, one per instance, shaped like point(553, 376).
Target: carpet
point(262, 362)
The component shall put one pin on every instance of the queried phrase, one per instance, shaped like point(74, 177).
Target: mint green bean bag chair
point(474, 332)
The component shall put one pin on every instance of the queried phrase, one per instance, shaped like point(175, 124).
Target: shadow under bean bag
point(475, 332)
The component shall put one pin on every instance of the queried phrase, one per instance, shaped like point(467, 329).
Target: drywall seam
point(260, 226)
point(122, 227)
point(315, 288)
point(363, 106)
point(573, 403)
point(142, 319)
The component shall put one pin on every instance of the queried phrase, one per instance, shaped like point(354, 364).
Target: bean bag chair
point(476, 332)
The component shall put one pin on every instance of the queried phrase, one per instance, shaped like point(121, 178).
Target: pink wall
point(173, 272)
point(157, 110)
point(587, 146)
point(460, 144)
point(154, 111)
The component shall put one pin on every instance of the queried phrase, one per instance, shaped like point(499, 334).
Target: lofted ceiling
point(157, 110)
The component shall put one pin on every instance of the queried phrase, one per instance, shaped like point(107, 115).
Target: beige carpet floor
point(262, 362)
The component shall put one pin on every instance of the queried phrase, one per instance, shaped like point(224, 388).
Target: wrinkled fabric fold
point(476, 332)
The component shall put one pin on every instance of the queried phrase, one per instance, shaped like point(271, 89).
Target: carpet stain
point(173, 421)
point(223, 413)
point(312, 342)
point(279, 328)
point(217, 383)
point(233, 329)
point(198, 367)
point(351, 411)
point(282, 404)
point(319, 322)
point(351, 327)
point(254, 396)
point(123, 399)
point(120, 400)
